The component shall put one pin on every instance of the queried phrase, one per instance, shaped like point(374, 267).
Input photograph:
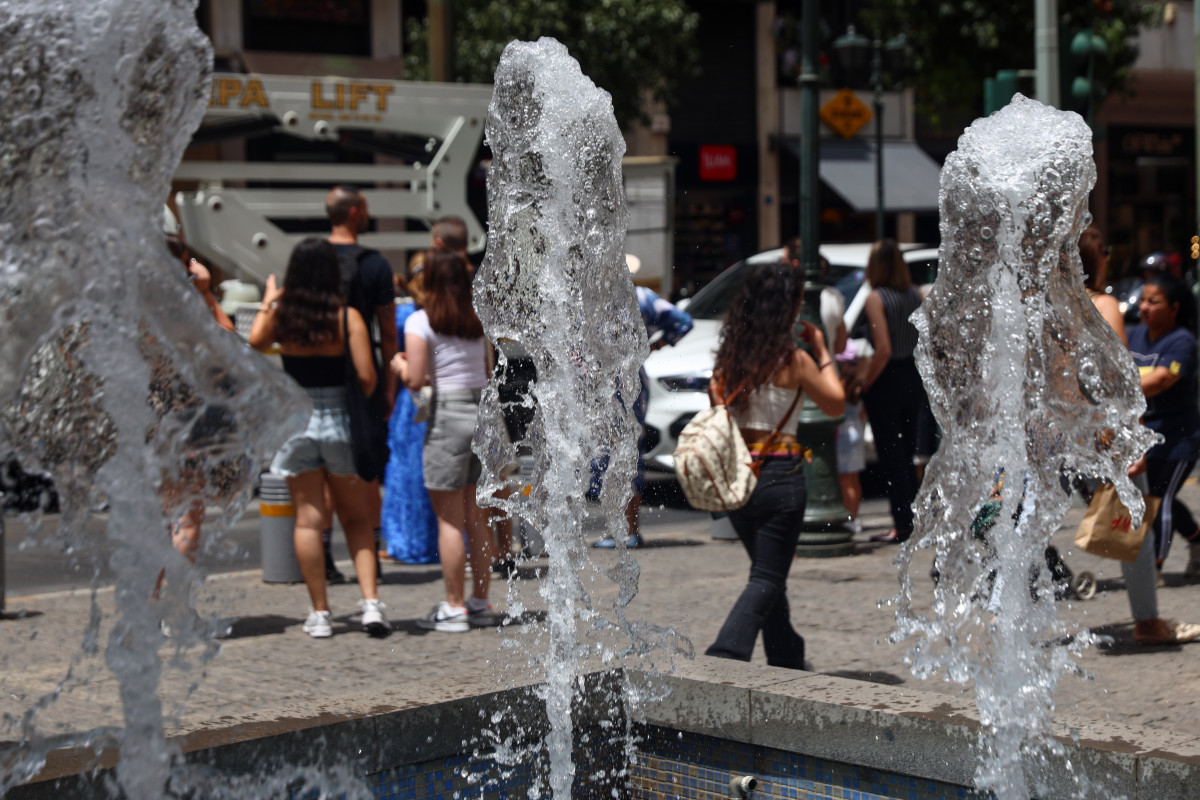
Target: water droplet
point(44, 228)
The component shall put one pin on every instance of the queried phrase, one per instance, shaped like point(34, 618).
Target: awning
point(910, 177)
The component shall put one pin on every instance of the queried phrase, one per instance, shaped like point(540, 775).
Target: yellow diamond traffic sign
point(846, 114)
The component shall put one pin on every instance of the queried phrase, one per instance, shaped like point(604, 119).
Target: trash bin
point(278, 516)
point(532, 544)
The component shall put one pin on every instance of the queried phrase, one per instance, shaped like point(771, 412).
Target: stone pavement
point(268, 669)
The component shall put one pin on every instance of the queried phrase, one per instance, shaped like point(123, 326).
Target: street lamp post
point(852, 48)
point(809, 146)
point(877, 83)
point(822, 533)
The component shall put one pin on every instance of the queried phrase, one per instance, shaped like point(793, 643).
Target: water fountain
point(92, 141)
point(554, 281)
point(1031, 387)
point(111, 376)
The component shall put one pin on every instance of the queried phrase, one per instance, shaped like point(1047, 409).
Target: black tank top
point(897, 308)
point(316, 372)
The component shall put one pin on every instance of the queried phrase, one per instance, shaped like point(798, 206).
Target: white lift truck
point(431, 131)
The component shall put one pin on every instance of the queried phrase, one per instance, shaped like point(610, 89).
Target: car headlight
point(697, 382)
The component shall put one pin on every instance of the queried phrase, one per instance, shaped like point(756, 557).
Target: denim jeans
point(768, 526)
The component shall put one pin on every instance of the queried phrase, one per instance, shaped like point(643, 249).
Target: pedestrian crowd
point(411, 352)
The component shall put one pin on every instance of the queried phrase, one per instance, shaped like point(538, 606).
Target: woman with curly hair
point(315, 329)
point(760, 375)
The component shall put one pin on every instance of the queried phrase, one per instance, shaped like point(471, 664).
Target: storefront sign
point(324, 95)
point(718, 162)
point(1160, 142)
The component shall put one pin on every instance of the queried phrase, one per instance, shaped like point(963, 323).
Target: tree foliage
point(954, 44)
point(627, 47)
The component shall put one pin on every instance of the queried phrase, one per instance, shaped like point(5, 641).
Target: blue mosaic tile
point(664, 766)
point(786, 776)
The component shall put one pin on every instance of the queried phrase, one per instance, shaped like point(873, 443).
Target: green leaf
point(627, 47)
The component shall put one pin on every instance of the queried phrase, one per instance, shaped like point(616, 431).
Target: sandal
point(891, 537)
point(1159, 631)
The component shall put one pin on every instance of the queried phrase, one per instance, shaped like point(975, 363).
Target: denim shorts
point(326, 440)
point(449, 462)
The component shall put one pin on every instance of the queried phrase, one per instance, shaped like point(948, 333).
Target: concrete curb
point(892, 729)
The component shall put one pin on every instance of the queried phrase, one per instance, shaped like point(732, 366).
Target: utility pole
point(1045, 46)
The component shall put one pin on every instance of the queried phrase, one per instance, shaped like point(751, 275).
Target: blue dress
point(409, 524)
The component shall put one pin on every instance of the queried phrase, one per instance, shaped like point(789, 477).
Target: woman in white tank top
point(759, 373)
point(444, 347)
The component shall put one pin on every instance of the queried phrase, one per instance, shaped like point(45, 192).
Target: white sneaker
point(854, 526)
point(318, 625)
point(373, 621)
point(481, 615)
point(445, 619)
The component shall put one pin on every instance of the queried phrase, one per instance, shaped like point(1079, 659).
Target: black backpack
point(349, 258)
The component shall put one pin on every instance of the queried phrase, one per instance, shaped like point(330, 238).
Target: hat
point(633, 262)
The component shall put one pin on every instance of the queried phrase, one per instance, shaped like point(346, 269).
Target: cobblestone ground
point(268, 668)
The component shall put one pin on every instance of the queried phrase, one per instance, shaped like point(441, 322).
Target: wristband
point(826, 364)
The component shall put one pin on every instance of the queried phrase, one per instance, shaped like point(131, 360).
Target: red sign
point(718, 162)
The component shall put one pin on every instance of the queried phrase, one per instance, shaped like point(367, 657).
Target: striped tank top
point(897, 307)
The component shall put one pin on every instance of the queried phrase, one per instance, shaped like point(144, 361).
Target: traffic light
point(998, 91)
point(1195, 248)
point(1082, 91)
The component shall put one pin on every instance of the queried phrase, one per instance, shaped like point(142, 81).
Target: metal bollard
point(278, 516)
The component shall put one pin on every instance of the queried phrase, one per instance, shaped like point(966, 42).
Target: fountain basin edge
point(718, 718)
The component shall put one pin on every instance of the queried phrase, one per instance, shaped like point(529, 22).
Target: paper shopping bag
point(1107, 529)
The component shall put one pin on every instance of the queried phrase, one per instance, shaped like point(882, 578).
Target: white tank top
point(765, 406)
point(454, 363)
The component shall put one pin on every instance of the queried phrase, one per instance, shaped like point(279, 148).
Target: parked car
point(679, 375)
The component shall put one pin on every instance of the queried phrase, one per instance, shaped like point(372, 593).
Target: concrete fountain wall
point(801, 734)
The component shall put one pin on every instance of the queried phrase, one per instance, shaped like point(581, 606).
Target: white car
point(679, 375)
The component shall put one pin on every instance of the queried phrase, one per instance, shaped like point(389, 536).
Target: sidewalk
point(267, 668)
